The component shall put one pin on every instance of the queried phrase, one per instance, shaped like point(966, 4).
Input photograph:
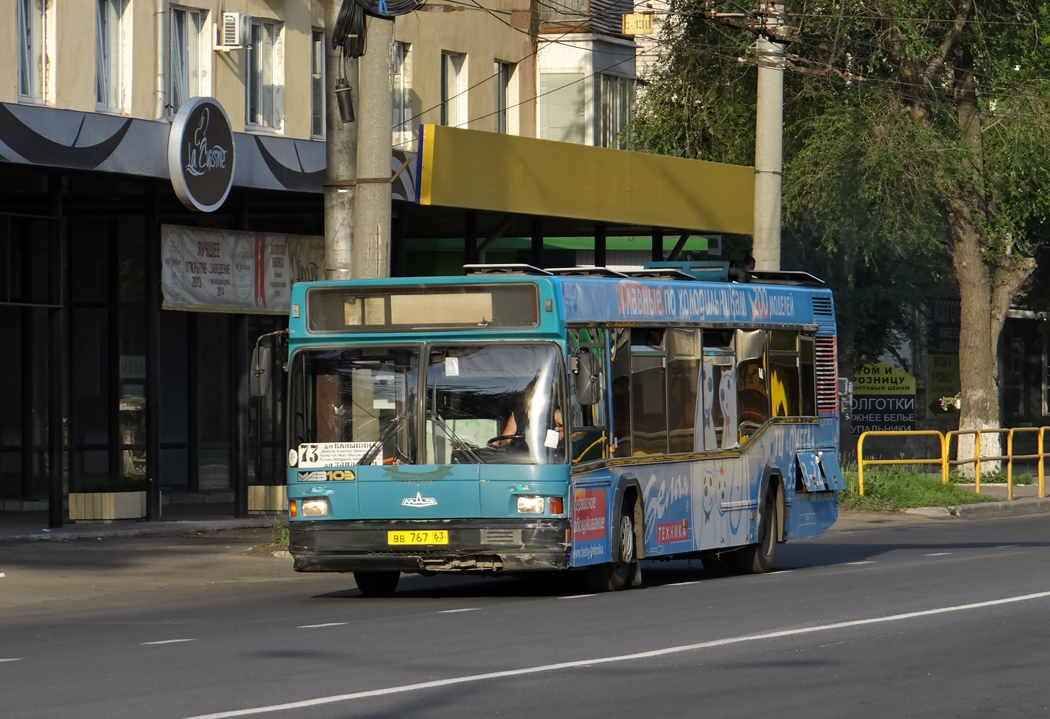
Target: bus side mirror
point(587, 382)
point(259, 372)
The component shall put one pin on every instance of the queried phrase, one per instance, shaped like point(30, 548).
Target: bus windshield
point(494, 404)
point(484, 404)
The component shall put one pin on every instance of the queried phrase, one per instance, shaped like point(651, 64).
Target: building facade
point(120, 373)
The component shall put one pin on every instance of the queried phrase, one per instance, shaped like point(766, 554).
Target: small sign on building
point(883, 399)
point(637, 24)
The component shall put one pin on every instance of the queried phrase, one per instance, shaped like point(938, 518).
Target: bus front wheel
point(377, 584)
point(621, 572)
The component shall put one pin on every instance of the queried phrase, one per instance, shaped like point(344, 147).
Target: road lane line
point(682, 584)
point(654, 653)
point(578, 596)
point(319, 626)
point(167, 641)
point(939, 554)
point(13, 659)
point(866, 561)
point(454, 611)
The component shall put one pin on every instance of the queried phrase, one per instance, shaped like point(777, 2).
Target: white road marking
point(682, 584)
point(13, 659)
point(939, 554)
point(543, 668)
point(454, 611)
point(319, 626)
point(168, 641)
point(578, 596)
point(866, 561)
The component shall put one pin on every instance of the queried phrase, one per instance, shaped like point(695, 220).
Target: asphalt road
point(925, 619)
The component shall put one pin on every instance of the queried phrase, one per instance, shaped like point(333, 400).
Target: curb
point(152, 529)
point(1013, 508)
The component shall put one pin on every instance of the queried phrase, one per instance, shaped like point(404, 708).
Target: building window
point(317, 106)
point(403, 135)
point(562, 109)
point(261, 84)
point(614, 106)
point(504, 73)
point(108, 52)
point(185, 57)
point(31, 49)
point(453, 89)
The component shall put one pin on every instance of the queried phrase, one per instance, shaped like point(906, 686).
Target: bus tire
point(623, 571)
point(377, 584)
point(758, 558)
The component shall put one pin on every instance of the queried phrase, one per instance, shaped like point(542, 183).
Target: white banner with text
point(209, 270)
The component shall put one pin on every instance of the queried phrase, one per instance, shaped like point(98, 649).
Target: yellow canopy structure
point(494, 172)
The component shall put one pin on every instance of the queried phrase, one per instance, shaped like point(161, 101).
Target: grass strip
point(897, 488)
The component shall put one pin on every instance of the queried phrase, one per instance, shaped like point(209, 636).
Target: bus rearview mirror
point(587, 383)
point(259, 372)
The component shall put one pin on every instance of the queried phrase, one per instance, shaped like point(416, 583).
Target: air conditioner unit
point(235, 31)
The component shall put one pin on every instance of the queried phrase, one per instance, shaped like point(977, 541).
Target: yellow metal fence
point(944, 446)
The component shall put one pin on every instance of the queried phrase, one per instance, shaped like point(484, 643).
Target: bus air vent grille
point(827, 375)
point(822, 307)
point(501, 536)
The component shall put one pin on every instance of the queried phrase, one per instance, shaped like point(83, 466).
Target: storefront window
point(214, 401)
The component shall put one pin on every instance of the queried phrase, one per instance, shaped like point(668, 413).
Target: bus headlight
point(530, 505)
point(314, 508)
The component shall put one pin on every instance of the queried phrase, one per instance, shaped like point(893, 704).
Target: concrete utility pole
point(371, 250)
point(341, 158)
point(769, 132)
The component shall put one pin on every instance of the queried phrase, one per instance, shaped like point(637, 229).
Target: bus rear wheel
point(621, 572)
point(758, 558)
point(377, 584)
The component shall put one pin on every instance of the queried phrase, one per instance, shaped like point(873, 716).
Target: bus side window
point(717, 415)
point(683, 369)
point(808, 376)
point(621, 391)
point(648, 391)
point(751, 381)
point(784, 390)
point(588, 424)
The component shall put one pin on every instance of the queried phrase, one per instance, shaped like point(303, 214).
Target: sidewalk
point(177, 519)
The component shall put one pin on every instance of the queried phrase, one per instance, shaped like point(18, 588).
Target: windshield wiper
point(369, 456)
point(457, 441)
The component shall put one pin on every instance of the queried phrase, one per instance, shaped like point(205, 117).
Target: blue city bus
point(520, 420)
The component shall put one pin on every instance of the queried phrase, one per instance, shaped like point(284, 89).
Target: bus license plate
point(417, 536)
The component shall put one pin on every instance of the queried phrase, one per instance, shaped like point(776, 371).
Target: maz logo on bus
point(418, 501)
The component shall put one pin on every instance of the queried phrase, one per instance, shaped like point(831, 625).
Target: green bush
point(897, 488)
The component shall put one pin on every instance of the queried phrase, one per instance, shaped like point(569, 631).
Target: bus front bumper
point(478, 545)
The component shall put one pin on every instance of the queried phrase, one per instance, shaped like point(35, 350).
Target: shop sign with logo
point(201, 154)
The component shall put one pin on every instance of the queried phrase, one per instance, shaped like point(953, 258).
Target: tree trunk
point(977, 357)
point(977, 346)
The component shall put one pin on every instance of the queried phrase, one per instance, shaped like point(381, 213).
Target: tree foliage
point(916, 145)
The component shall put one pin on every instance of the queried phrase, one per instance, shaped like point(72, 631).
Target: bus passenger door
point(588, 421)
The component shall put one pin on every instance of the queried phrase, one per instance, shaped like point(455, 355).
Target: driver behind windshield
point(499, 402)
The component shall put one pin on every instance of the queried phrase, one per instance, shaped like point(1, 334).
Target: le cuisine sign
point(200, 154)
